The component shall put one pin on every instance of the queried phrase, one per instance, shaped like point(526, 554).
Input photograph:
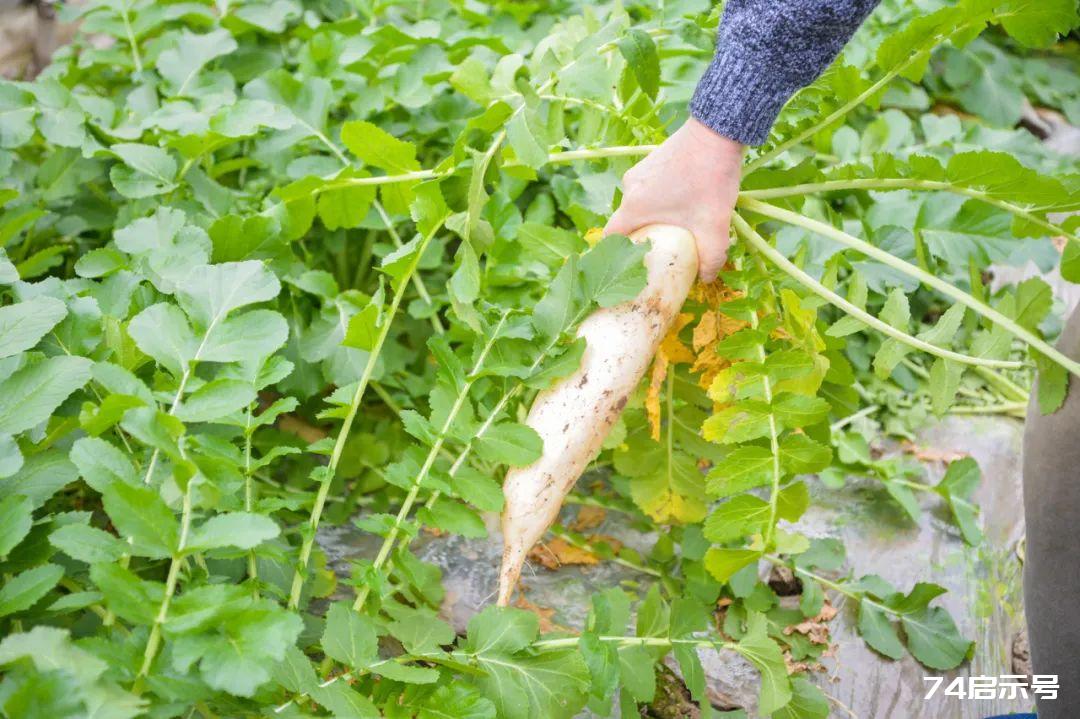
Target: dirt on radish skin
point(575, 415)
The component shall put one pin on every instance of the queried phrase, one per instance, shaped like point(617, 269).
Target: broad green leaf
point(215, 400)
point(23, 590)
point(807, 702)
point(363, 329)
point(243, 530)
point(181, 63)
point(101, 463)
point(31, 394)
point(510, 443)
point(801, 455)
point(765, 655)
point(743, 421)
point(140, 514)
point(723, 563)
point(130, 597)
point(741, 469)
point(614, 270)
point(15, 520)
point(876, 629)
point(40, 477)
point(736, 518)
point(162, 331)
point(212, 292)
point(147, 170)
point(349, 637)
point(88, 544)
point(933, 639)
point(22, 325)
point(550, 684)
point(639, 51)
point(501, 630)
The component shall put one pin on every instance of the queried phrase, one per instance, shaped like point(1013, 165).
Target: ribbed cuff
point(736, 98)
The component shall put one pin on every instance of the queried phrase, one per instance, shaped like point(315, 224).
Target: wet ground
point(984, 585)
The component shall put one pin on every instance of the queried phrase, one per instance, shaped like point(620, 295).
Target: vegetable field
point(270, 267)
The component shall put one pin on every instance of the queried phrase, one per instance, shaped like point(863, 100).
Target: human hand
point(692, 181)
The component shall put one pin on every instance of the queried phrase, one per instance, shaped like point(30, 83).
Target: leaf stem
point(776, 257)
point(886, 184)
point(907, 268)
point(154, 640)
point(346, 426)
point(429, 461)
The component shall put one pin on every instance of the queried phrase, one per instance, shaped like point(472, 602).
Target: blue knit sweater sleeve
point(766, 50)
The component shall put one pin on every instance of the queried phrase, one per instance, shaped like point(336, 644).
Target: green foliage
point(267, 263)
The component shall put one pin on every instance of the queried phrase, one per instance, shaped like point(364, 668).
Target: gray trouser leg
point(1052, 514)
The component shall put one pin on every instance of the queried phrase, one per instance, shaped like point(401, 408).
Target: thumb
point(622, 222)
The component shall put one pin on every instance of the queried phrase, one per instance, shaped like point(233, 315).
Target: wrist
point(712, 142)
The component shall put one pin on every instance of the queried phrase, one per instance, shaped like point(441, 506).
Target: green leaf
point(190, 53)
point(23, 324)
point(131, 598)
point(215, 400)
point(349, 637)
point(1037, 23)
point(23, 590)
point(957, 486)
point(214, 291)
point(807, 702)
point(501, 630)
point(88, 544)
point(876, 629)
point(933, 639)
point(17, 113)
point(377, 147)
point(723, 563)
point(451, 516)
point(31, 394)
point(801, 455)
point(147, 170)
point(101, 463)
point(742, 421)
point(945, 377)
point(140, 514)
point(741, 469)
point(363, 329)
point(15, 521)
point(237, 237)
point(528, 146)
point(736, 518)
point(639, 50)
point(551, 684)
point(614, 270)
point(765, 655)
point(240, 658)
point(510, 443)
point(243, 530)
point(162, 331)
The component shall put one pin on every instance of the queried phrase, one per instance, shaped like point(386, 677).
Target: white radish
point(574, 416)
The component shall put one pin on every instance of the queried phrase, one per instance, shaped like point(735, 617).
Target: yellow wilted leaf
point(674, 492)
point(671, 351)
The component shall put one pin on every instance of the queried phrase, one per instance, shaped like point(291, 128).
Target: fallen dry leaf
point(588, 517)
point(544, 613)
point(931, 454)
point(559, 552)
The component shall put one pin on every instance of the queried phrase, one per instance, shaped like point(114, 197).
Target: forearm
point(766, 50)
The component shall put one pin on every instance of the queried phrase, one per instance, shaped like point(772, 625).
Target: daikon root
point(574, 416)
